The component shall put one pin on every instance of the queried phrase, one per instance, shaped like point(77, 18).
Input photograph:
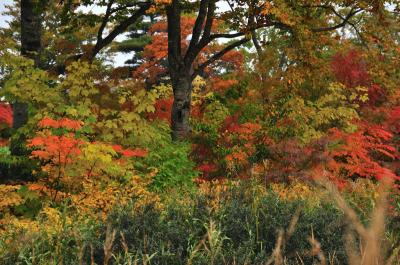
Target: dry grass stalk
point(370, 252)
point(316, 250)
point(277, 257)
point(108, 244)
point(92, 255)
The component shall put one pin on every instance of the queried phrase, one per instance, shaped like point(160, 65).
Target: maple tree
point(258, 14)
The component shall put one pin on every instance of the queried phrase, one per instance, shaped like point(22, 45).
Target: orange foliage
point(155, 53)
point(220, 84)
point(58, 149)
point(163, 110)
point(6, 115)
point(359, 152)
point(62, 123)
point(130, 152)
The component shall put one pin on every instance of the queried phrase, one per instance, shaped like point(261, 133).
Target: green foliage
point(32, 203)
point(16, 168)
point(215, 113)
point(169, 159)
point(308, 120)
point(4, 151)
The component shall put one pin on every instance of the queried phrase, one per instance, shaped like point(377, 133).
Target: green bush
point(170, 159)
point(16, 168)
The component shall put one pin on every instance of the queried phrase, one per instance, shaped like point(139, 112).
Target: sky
point(3, 18)
point(118, 59)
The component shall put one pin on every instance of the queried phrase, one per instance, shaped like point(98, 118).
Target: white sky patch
point(4, 18)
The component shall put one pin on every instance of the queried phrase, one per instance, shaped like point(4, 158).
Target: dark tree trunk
point(31, 19)
point(180, 74)
point(182, 87)
point(181, 66)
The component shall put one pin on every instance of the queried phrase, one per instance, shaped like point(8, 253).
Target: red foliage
point(6, 114)
point(207, 168)
point(393, 120)
point(129, 152)
point(358, 153)
point(163, 110)
point(289, 160)
point(230, 123)
point(134, 153)
point(350, 69)
point(376, 95)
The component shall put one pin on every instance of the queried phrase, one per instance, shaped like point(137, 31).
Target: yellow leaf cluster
point(95, 199)
point(299, 191)
point(9, 197)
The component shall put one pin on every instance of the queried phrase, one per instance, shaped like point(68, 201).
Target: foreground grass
point(220, 224)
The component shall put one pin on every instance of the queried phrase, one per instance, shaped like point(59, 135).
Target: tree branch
point(218, 55)
point(256, 43)
point(345, 21)
point(195, 48)
point(174, 34)
point(198, 26)
point(120, 28)
point(105, 21)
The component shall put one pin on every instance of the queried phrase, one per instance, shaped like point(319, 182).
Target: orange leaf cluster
point(6, 114)
point(129, 152)
point(58, 149)
point(359, 152)
point(62, 123)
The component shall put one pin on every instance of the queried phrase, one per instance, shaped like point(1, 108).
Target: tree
point(154, 66)
point(31, 20)
point(63, 22)
point(241, 20)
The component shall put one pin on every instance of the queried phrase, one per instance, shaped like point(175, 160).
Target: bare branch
point(345, 21)
point(104, 21)
point(120, 28)
point(218, 55)
point(197, 29)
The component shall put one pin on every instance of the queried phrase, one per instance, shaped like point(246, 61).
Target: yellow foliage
point(95, 199)
point(197, 96)
point(299, 191)
point(11, 223)
point(216, 191)
point(9, 197)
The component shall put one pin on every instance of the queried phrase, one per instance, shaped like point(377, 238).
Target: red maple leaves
point(6, 114)
point(350, 69)
point(358, 153)
point(129, 152)
point(61, 149)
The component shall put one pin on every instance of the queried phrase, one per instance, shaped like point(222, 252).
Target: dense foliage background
point(237, 132)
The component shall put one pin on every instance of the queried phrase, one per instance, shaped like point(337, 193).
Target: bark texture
point(31, 32)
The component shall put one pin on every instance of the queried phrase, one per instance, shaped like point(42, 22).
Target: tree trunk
point(31, 12)
point(182, 87)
